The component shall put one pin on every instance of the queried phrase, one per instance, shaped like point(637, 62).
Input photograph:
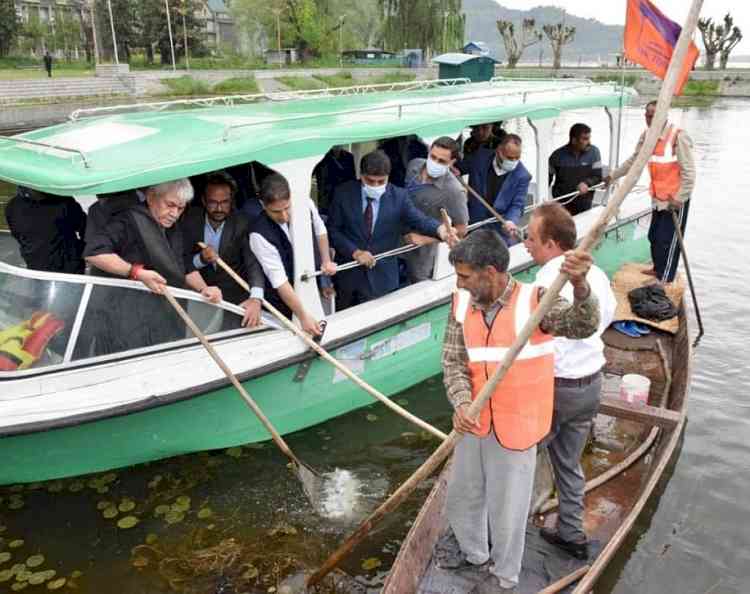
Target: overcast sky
point(612, 12)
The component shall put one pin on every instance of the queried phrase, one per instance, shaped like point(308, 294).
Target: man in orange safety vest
point(672, 172)
point(491, 482)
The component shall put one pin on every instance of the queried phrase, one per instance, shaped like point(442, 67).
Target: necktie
point(368, 218)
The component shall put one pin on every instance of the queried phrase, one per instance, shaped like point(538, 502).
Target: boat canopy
point(117, 149)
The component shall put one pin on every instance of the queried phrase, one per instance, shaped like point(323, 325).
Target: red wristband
point(134, 270)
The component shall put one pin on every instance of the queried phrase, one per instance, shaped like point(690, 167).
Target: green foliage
point(245, 84)
point(629, 79)
point(392, 77)
point(9, 26)
point(185, 86)
point(340, 79)
point(701, 88)
point(432, 25)
point(151, 16)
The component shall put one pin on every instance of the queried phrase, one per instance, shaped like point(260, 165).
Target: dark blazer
point(509, 202)
point(234, 249)
point(347, 232)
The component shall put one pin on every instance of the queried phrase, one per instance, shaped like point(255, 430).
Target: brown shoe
point(579, 550)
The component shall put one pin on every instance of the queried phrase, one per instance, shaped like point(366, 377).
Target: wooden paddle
point(289, 325)
point(312, 481)
point(550, 296)
point(681, 241)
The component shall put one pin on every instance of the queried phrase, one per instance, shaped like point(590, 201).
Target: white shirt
point(579, 358)
point(268, 255)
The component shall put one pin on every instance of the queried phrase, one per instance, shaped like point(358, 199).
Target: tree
point(718, 40)
point(9, 26)
point(152, 31)
point(559, 35)
point(431, 25)
point(516, 44)
point(35, 34)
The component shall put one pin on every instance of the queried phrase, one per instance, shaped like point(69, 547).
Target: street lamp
point(341, 42)
point(171, 41)
point(112, 25)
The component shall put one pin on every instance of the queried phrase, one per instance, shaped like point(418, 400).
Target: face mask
point(374, 192)
point(435, 170)
point(508, 166)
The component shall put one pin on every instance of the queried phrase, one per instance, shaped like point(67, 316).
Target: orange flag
point(650, 39)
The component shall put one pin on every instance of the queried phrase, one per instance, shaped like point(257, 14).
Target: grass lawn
point(340, 79)
point(245, 84)
point(27, 74)
point(185, 86)
point(390, 78)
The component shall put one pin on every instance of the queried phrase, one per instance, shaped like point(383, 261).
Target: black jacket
point(234, 250)
point(49, 230)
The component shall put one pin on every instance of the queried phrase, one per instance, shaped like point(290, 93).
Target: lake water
point(693, 539)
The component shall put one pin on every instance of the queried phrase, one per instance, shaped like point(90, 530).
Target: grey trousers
point(488, 500)
point(575, 409)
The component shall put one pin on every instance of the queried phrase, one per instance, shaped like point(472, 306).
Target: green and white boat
point(73, 412)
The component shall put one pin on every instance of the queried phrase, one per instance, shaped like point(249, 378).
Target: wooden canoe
point(648, 437)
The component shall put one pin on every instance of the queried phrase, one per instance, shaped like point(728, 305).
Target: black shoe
point(579, 550)
point(460, 563)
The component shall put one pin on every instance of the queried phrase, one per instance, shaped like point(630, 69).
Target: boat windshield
point(36, 320)
point(51, 321)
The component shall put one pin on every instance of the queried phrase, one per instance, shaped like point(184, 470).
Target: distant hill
point(594, 41)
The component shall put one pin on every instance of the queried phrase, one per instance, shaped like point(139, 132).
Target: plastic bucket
point(635, 388)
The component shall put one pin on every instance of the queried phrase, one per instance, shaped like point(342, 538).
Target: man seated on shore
point(501, 179)
point(432, 187)
point(365, 219)
point(271, 243)
point(576, 166)
point(143, 243)
point(225, 231)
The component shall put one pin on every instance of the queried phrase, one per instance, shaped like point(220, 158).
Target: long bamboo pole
point(588, 243)
point(289, 325)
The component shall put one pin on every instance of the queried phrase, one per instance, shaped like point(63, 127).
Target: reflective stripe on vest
point(664, 167)
point(520, 409)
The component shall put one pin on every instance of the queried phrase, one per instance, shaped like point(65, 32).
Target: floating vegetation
point(56, 584)
point(371, 417)
point(110, 512)
point(126, 505)
point(151, 538)
point(35, 561)
point(235, 452)
point(205, 513)
point(371, 563)
point(76, 486)
point(15, 502)
point(6, 574)
point(127, 522)
point(14, 544)
point(5, 557)
point(173, 517)
point(403, 402)
point(104, 504)
point(161, 510)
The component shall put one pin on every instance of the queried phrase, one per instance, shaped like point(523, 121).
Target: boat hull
point(393, 359)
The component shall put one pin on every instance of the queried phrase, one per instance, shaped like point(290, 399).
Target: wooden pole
point(289, 325)
point(565, 581)
point(681, 241)
point(550, 296)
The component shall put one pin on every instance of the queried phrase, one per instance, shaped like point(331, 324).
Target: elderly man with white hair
point(144, 242)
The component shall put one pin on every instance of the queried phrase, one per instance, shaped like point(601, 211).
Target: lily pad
point(371, 417)
point(14, 544)
point(35, 561)
point(23, 576)
point(403, 402)
point(18, 567)
point(151, 538)
point(5, 556)
point(76, 486)
point(3, 529)
point(371, 563)
point(103, 504)
point(110, 512)
point(55, 487)
point(173, 517)
point(110, 477)
point(38, 578)
point(183, 500)
point(154, 482)
point(235, 452)
point(18, 586)
point(127, 522)
point(126, 505)
point(5, 575)
point(101, 490)
point(49, 574)
point(161, 510)
point(16, 503)
point(251, 572)
point(75, 574)
point(205, 513)
point(56, 584)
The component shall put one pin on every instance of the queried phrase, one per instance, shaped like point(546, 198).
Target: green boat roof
point(147, 144)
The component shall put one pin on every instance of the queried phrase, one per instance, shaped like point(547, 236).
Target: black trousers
point(665, 246)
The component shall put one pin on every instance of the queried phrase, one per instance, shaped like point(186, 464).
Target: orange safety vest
point(520, 409)
point(663, 166)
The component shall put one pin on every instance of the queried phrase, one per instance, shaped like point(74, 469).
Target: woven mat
point(629, 277)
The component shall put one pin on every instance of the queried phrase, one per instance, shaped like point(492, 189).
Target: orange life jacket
point(663, 166)
point(520, 409)
point(23, 345)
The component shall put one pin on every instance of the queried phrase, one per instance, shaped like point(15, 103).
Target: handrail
point(49, 145)
point(398, 106)
point(229, 100)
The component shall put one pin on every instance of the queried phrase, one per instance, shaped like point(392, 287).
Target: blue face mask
point(508, 166)
point(374, 192)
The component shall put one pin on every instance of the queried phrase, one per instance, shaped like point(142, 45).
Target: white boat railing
point(49, 145)
point(231, 100)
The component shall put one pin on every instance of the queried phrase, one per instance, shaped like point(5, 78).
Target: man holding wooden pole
point(491, 482)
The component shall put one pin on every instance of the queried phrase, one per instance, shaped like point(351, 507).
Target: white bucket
point(635, 388)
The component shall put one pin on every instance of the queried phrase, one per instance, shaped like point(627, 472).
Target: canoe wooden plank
point(643, 413)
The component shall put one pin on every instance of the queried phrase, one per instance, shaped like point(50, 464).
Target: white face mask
point(508, 166)
point(435, 169)
point(374, 192)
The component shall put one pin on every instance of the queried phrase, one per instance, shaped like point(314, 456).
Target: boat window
point(120, 319)
point(36, 320)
